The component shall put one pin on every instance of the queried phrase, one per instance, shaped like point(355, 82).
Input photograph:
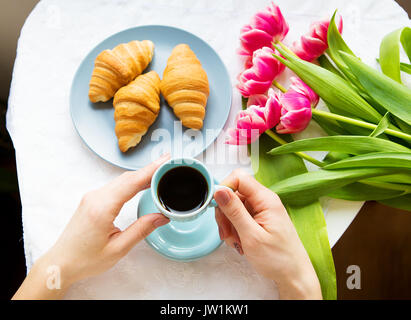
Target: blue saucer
point(182, 241)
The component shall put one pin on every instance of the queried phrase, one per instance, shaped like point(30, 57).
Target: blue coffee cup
point(187, 162)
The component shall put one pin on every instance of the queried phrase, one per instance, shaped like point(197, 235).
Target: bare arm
point(254, 222)
point(91, 243)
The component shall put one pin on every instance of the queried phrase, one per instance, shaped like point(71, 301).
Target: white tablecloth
point(55, 168)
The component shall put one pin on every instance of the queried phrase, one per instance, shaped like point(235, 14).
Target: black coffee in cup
point(182, 190)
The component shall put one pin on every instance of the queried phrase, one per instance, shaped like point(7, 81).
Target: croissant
point(185, 86)
point(136, 107)
point(116, 68)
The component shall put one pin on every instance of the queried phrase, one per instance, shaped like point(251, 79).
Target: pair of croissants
point(118, 73)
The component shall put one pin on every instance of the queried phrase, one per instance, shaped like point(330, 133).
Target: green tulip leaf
point(403, 202)
point(390, 55)
point(393, 96)
point(406, 67)
point(406, 41)
point(335, 41)
point(332, 157)
point(307, 187)
point(345, 144)
point(336, 44)
point(332, 88)
point(326, 64)
point(308, 220)
point(399, 178)
point(358, 191)
point(348, 128)
point(375, 160)
point(382, 126)
point(330, 126)
point(390, 52)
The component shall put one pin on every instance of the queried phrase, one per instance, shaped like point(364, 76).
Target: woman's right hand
point(253, 220)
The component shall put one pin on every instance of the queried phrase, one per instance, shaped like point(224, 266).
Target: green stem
point(279, 86)
point(303, 155)
point(360, 123)
point(275, 83)
point(282, 45)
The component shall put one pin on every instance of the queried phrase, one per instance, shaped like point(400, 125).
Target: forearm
point(45, 281)
point(302, 287)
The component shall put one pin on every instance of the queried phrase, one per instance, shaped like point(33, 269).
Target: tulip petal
point(272, 112)
point(294, 121)
point(258, 78)
point(297, 85)
point(257, 100)
point(266, 26)
point(296, 110)
point(314, 43)
point(255, 39)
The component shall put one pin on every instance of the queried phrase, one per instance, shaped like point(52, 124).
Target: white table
point(55, 168)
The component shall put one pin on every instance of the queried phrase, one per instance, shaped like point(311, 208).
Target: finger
point(227, 231)
point(257, 196)
point(138, 231)
point(234, 240)
point(127, 185)
point(242, 198)
point(246, 204)
point(234, 210)
point(249, 208)
point(224, 225)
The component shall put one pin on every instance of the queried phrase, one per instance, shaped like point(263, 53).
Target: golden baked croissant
point(185, 86)
point(136, 107)
point(116, 68)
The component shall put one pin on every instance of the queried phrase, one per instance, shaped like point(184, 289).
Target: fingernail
point(222, 197)
point(161, 221)
point(238, 248)
point(221, 233)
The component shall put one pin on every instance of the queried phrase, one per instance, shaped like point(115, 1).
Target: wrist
point(303, 287)
point(46, 280)
point(56, 271)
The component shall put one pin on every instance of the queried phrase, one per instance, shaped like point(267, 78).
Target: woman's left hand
point(91, 243)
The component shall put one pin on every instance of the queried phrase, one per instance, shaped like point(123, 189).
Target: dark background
point(378, 240)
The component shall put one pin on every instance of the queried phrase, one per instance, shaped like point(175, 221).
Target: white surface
point(55, 168)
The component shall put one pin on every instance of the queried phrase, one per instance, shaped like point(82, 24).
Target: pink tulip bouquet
point(368, 123)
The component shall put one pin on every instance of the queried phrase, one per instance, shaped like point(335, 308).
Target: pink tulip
point(296, 107)
point(258, 78)
point(271, 106)
point(272, 110)
point(252, 40)
point(295, 112)
point(256, 115)
point(298, 86)
point(265, 27)
point(314, 43)
point(250, 124)
point(257, 118)
point(241, 136)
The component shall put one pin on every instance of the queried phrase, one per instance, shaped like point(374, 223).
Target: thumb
point(139, 230)
point(234, 210)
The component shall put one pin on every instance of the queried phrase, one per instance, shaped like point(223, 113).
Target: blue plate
point(95, 123)
point(182, 241)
